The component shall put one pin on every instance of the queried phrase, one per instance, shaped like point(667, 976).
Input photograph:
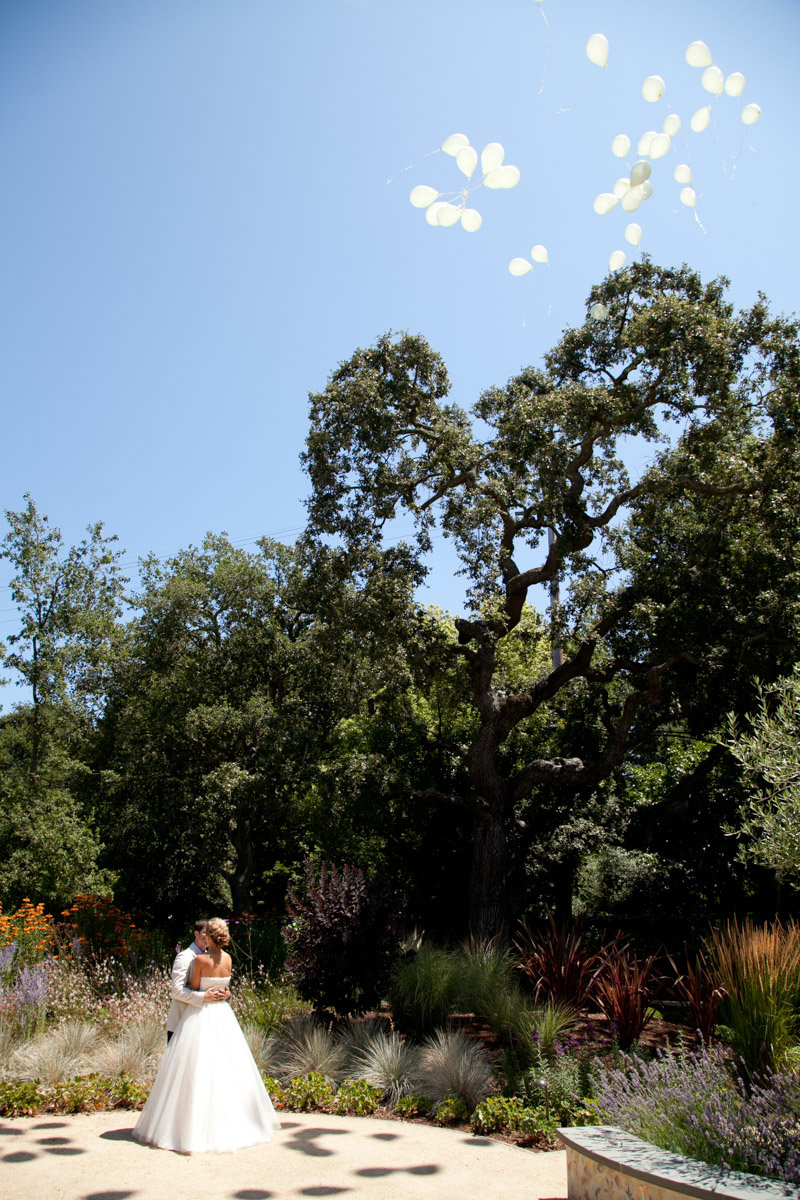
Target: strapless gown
point(208, 1094)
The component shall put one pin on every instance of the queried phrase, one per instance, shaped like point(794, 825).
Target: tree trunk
point(240, 879)
point(488, 912)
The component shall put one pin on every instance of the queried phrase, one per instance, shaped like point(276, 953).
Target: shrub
point(425, 989)
point(29, 932)
point(692, 1104)
point(357, 1097)
point(277, 1093)
point(623, 989)
point(452, 1065)
point(702, 995)
point(21, 1099)
point(388, 1063)
point(100, 928)
point(340, 939)
point(413, 1106)
point(451, 1109)
point(759, 967)
point(304, 1047)
point(558, 963)
point(308, 1092)
point(259, 1001)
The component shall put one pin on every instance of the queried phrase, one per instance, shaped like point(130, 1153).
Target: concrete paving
point(92, 1157)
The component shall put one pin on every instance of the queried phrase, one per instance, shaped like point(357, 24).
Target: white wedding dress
point(208, 1094)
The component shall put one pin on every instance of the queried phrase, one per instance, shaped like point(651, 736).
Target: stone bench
point(606, 1163)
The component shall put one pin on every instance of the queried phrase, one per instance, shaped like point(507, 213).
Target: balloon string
point(412, 165)
point(546, 52)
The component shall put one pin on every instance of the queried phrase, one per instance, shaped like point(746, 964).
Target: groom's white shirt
point(181, 995)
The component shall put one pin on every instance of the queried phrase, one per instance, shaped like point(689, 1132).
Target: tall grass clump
point(135, 1052)
point(425, 989)
point(558, 962)
point(61, 1053)
point(759, 967)
point(304, 1047)
point(450, 1064)
point(387, 1062)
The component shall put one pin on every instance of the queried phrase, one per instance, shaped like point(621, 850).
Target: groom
point(181, 995)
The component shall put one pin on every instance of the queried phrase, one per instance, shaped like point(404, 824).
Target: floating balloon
point(502, 177)
point(539, 254)
point(645, 141)
point(751, 113)
point(734, 84)
point(491, 157)
point(520, 266)
point(647, 189)
point(653, 88)
point(672, 124)
point(599, 312)
point(701, 118)
point(597, 49)
point(633, 233)
point(432, 212)
point(660, 145)
point(422, 195)
point(447, 214)
point(620, 145)
point(688, 197)
point(471, 220)
point(640, 171)
point(467, 160)
point(713, 81)
point(683, 173)
point(622, 186)
point(632, 198)
point(456, 142)
point(605, 202)
point(616, 260)
point(698, 55)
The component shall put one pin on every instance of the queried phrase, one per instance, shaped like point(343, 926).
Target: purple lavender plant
point(30, 987)
point(7, 960)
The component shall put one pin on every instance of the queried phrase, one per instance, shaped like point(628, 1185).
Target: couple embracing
point(208, 1094)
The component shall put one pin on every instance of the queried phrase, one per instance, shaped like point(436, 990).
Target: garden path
point(92, 1157)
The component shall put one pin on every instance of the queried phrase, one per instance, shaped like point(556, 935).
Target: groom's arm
point(178, 989)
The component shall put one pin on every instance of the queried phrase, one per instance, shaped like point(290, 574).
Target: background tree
point(70, 608)
point(661, 612)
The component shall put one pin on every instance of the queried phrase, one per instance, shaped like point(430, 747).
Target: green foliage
point(21, 1099)
point(267, 1004)
point(277, 1093)
point(768, 753)
point(450, 1110)
point(341, 939)
point(357, 1098)
point(308, 1093)
point(413, 1105)
point(88, 1093)
point(510, 1114)
point(424, 988)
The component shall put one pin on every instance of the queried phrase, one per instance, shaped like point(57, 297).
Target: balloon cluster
point(453, 208)
point(631, 191)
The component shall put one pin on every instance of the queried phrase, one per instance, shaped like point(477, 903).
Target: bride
point(208, 1094)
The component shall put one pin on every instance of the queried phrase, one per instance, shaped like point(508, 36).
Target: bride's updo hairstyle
point(217, 931)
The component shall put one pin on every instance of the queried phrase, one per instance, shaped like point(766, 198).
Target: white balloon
point(621, 186)
point(520, 266)
point(688, 197)
point(633, 233)
point(597, 49)
point(672, 124)
point(734, 84)
point(502, 177)
point(620, 145)
point(713, 81)
point(701, 118)
point(616, 260)
point(599, 312)
point(751, 113)
point(467, 160)
point(605, 202)
point(448, 214)
point(632, 199)
point(432, 212)
point(539, 253)
point(647, 189)
point(491, 157)
point(644, 142)
point(660, 145)
point(698, 55)
point(683, 173)
point(456, 142)
point(653, 88)
point(640, 171)
point(471, 220)
point(422, 195)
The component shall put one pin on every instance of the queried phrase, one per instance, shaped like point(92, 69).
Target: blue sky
point(205, 208)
